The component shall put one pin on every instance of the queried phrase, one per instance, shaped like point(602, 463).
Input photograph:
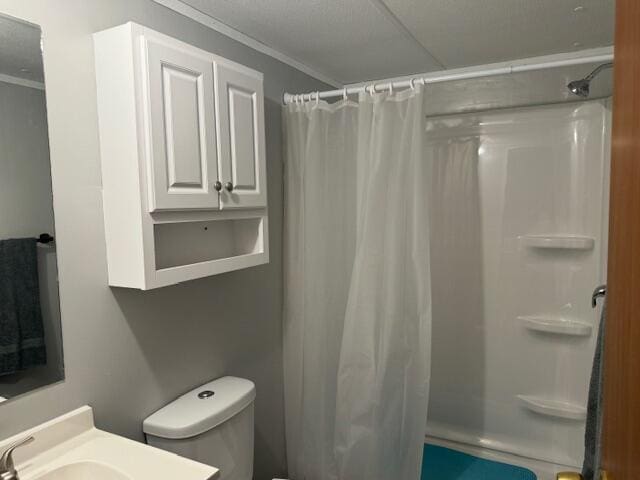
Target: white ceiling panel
point(354, 41)
point(461, 33)
point(349, 40)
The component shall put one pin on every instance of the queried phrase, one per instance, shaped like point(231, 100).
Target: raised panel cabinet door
point(240, 102)
point(183, 167)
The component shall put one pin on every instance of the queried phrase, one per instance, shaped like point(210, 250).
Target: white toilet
point(212, 424)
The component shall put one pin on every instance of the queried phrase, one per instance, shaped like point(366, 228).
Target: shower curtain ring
point(390, 88)
point(345, 97)
point(412, 84)
point(317, 98)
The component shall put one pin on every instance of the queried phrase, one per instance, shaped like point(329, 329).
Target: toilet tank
point(212, 424)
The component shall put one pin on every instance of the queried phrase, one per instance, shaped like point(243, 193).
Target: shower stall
point(519, 224)
point(516, 220)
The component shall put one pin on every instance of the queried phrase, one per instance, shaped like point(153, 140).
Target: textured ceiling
point(358, 40)
point(346, 40)
point(20, 53)
point(470, 32)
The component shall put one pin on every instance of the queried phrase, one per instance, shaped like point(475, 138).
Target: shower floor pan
point(542, 470)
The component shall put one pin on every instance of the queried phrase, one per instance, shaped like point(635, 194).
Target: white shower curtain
point(357, 323)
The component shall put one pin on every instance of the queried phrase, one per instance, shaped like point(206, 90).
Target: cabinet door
point(240, 102)
point(182, 169)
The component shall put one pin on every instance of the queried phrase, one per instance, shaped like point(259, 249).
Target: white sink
point(83, 471)
point(70, 447)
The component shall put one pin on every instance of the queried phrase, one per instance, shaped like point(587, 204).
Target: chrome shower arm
point(598, 69)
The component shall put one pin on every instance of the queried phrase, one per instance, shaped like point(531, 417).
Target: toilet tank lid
point(201, 409)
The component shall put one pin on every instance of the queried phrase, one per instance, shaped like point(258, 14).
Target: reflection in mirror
point(30, 333)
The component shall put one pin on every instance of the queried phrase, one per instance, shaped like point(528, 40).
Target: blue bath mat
point(439, 463)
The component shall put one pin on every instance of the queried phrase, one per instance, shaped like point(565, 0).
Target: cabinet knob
point(218, 185)
point(228, 187)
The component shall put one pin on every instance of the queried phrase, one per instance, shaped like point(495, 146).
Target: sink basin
point(70, 447)
point(83, 471)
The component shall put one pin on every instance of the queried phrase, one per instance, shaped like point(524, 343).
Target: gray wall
point(128, 352)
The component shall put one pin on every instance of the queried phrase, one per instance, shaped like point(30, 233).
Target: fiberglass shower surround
point(518, 243)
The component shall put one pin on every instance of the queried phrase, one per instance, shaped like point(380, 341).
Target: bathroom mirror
point(30, 333)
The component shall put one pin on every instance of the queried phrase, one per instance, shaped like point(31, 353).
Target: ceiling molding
point(386, 12)
point(23, 82)
point(218, 26)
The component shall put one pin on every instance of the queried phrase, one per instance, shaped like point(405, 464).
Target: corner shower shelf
point(562, 326)
point(568, 242)
point(553, 408)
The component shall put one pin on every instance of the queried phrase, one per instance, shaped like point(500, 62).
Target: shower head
point(581, 87)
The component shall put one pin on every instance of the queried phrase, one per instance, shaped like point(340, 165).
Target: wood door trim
point(621, 438)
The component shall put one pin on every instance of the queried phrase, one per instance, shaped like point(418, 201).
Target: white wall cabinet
point(183, 159)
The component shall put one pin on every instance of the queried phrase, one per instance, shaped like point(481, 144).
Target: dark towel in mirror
point(21, 331)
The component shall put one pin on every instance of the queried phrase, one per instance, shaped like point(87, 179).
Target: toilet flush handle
point(203, 395)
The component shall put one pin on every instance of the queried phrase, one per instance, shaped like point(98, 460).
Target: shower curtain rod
point(437, 78)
